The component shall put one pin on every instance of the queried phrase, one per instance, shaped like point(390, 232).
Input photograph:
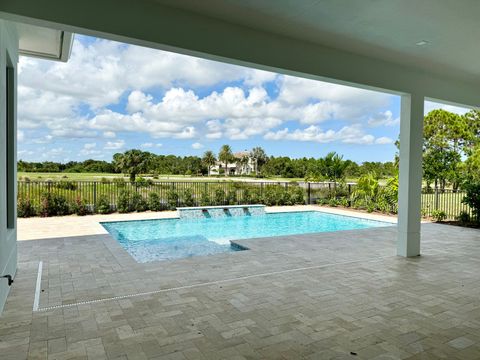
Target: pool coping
point(37, 228)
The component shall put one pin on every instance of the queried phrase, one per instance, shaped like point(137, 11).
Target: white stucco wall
point(8, 236)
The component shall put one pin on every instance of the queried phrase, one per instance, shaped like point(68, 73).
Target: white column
point(410, 176)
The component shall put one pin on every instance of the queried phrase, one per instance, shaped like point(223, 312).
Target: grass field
point(98, 177)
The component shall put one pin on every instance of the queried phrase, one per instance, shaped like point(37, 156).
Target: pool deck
point(339, 295)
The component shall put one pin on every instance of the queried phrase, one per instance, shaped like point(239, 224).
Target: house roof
point(44, 42)
point(240, 154)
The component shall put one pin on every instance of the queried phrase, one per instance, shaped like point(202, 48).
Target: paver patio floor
point(333, 295)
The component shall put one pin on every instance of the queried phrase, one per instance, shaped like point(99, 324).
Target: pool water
point(168, 239)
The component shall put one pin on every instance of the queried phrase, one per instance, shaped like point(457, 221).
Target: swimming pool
point(167, 239)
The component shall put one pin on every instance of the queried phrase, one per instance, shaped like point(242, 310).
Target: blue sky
point(111, 97)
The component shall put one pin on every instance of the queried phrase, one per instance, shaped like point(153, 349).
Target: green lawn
point(98, 176)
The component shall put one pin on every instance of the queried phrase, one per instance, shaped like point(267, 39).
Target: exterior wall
point(246, 169)
point(8, 231)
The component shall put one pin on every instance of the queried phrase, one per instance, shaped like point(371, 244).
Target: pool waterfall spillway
point(201, 212)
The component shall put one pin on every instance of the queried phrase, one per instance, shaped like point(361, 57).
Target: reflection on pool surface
point(167, 239)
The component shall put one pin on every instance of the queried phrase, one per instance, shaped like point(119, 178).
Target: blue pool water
point(167, 239)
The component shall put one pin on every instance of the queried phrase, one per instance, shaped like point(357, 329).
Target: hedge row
point(53, 204)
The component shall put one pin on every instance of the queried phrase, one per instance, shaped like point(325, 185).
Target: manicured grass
point(66, 176)
point(98, 176)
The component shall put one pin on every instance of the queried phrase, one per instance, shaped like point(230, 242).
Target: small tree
point(225, 155)
point(132, 162)
point(472, 198)
point(209, 160)
point(260, 157)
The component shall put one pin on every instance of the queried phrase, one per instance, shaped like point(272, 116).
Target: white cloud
point(348, 134)
point(150, 145)
point(114, 145)
point(109, 135)
point(43, 139)
point(89, 149)
point(259, 77)
point(21, 153)
point(383, 119)
point(383, 140)
point(58, 153)
point(197, 146)
point(20, 135)
point(74, 100)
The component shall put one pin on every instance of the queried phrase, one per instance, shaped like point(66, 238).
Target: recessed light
point(422, 43)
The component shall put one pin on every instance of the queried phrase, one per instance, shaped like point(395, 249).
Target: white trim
point(38, 286)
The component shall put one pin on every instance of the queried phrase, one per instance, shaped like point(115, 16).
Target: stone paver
point(340, 295)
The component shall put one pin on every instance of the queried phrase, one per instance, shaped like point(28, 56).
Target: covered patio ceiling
point(393, 45)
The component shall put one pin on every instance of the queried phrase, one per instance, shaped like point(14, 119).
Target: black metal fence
point(444, 200)
point(225, 192)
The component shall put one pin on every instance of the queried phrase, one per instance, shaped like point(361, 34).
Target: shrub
point(322, 201)
point(103, 205)
point(205, 199)
point(66, 185)
point(104, 180)
point(464, 217)
point(120, 182)
point(25, 207)
point(246, 196)
point(80, 207)
point(219, 197)
point(123, 202)
point(366, 191)
point(343, 201)
point(172, 200)
point(297, 195)
point(439, 215)
point(154, 202)
point(231, 198)
point(53, 204)
point(472, 198)
point(138, 203)
point(256, 196)
point(188, 199)
point(333, 202)
point(142, 182)
point(269, 196)
point(61, 205)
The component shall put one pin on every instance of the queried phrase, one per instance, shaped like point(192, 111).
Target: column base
point(408, 244)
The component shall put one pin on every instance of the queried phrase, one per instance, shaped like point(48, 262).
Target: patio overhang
point(390, 46)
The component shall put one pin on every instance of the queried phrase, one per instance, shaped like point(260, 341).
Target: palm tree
point(132, 162)
point(209, 160)
point(242, 161)
point(334, 166)
point(260, 157)
point(225, 155)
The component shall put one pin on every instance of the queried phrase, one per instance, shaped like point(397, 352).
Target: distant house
point(243, 164)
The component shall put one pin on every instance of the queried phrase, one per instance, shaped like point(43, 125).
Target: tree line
point(135, 162)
